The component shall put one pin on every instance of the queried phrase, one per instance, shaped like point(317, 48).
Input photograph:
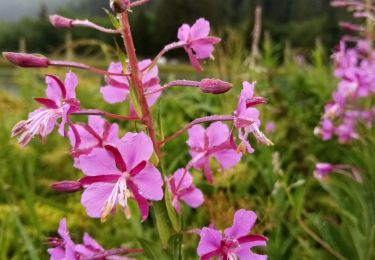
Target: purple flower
point(119, 172)
point(270, 127)
point(197, 43)
point(235, 243)
point(97, 133)
point(60, 102)
point(214, 142)
point(247, 118)
point(117, 88)
point(63, 247)
point(322, 170)
point(182, 188)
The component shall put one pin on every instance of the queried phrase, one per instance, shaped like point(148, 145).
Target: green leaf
point(151, 249)
point(175, 246)
point(113, 19)
point(171, 211)
point(163, 223)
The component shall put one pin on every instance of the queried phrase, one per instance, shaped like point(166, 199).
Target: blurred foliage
point(303, 218)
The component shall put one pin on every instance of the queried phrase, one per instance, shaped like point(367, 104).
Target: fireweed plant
point(118, 169)
point(351, 107)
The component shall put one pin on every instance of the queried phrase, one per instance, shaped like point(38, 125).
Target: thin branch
point(95, 112)
point(185, 83)
point(198, 121)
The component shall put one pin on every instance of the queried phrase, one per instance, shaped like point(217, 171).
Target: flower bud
point(67, 186)
point(119, 6)
point(60, 21)
point(214, 86)
point(26, 60)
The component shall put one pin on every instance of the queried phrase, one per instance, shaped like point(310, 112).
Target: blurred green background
point(303, 218)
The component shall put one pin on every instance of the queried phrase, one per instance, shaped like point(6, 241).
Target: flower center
point(229, 246)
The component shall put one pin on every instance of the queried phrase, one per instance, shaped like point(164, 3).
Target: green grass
point(303, 219)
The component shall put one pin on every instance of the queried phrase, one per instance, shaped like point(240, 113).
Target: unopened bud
point(60, 21)
point(67, 186)
point(214, 86)
point(119, 6)
point(26, 60)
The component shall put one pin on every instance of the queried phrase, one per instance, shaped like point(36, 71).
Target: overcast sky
point(11, 10)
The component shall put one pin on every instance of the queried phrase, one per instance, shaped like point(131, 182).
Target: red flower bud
point(26, 60)
point(60, 22)
point(214, 86)
point(67, 186)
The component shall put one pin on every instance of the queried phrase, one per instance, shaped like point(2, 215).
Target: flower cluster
point(350, 106)
point(63, 247)
point(119, 169)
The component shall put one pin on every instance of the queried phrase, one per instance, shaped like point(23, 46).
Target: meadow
point(302, 217)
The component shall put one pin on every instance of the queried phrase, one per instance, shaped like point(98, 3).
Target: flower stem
point(198, 121)
point(185, 83)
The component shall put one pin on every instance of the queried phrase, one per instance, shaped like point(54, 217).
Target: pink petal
point(89, 241)
point(217, 134)
point(243, 221)
point(183, 33)
point(53, 90)
point(135, 148)
point(87, 139)
point(95, 197)
point(97, 124)
point(71, 82)
point(243, 252)
point(116, 67)
point(186, 182)
point(196, 136)
point(114, 95)
point(49, 103)
point(194, 199)
point(200, 29)
point(112, 136)
point(56, 253)
point(149, 183)
point(98, 162)
point(203, 51)
point(210, 241)
point(207, 171)
point(193, 59)
point(227, 158)
point(247, 89)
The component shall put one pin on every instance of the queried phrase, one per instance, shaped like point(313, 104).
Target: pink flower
point(196, 41)
point(97, 133)
point(119, 172)
point(323, 170)
point(247, 117)
point(235, 243)
point(182, 188)
point(63, 247)
point(270, 127)
point(214, 142)
point(60, 102)
point(117, 88)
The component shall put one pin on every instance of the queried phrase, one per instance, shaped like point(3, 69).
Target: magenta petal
point(56, 253)
point(114, 95)
point(194, 198)
point(116, 67)
point(95, 197)
point(203, 51)
point(149, 183)
point(200, 29)
point(71, 82)
point(196, 136)
point(193, 59)
point(207, 171)
point(243, 252)
point(217, 134)
point(49, 103)
point(97, 123)
point(141, 201)
point(89, 241)
point(243, 221)
point(186, 182)
point(210, 241)
point(135, 148)
point(87, 139)
point(183, 33)
point(227, 158)
point(98, 162)
point(53, 90)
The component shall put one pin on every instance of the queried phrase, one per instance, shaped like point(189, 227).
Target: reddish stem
point(138, 3)
point(195, 122)
point(136, 80)
point(78, 65)
point(185, 83)
point(95, 112)
point(89, 24)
